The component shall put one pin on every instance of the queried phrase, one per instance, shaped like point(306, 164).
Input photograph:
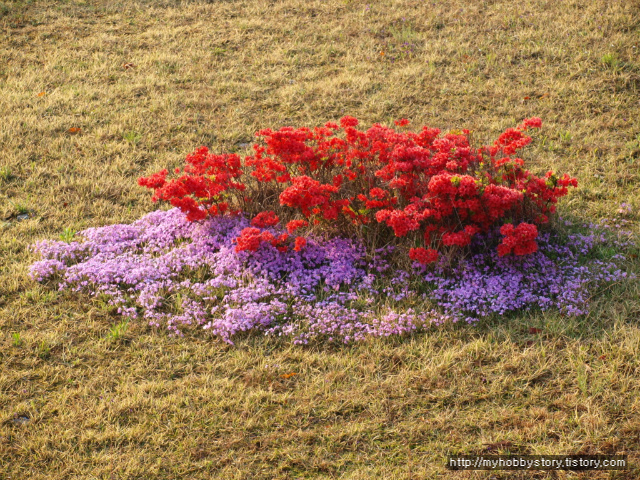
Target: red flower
point(419, 184)
point(293, 225)
point(533, 122)
point(265, 219)
point(300, 243)
point(423, 255)
point(519, 240)
point(157, 180)
point(249, 239)
point(348, 121)
point(306, 193)
point(461, 239)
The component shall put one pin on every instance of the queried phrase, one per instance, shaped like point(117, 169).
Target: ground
point(94, 94)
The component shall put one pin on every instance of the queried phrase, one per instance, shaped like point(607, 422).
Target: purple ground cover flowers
point(174, 273)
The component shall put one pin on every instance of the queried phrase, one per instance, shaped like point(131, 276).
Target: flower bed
point(175, 273)
point(339, 234)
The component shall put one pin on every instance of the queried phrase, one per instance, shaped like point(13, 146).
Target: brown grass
point(148, 406)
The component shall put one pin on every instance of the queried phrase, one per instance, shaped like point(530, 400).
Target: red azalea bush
point(435, 190)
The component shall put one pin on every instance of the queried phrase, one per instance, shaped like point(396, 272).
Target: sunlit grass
point(108, 400)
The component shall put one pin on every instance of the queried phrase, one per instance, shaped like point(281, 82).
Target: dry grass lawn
point(95, 93)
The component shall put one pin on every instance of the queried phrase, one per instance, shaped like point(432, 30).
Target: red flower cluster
point(520, 240)
point(293, 225)
point(428, 187)
point(300, 243)
point(265, 219)
point(251, 238)
point(461, 238)
point(423, 255)
point(308, 194)
point(199, 191)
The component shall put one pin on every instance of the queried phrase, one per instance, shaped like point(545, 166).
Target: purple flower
point(178, 274)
